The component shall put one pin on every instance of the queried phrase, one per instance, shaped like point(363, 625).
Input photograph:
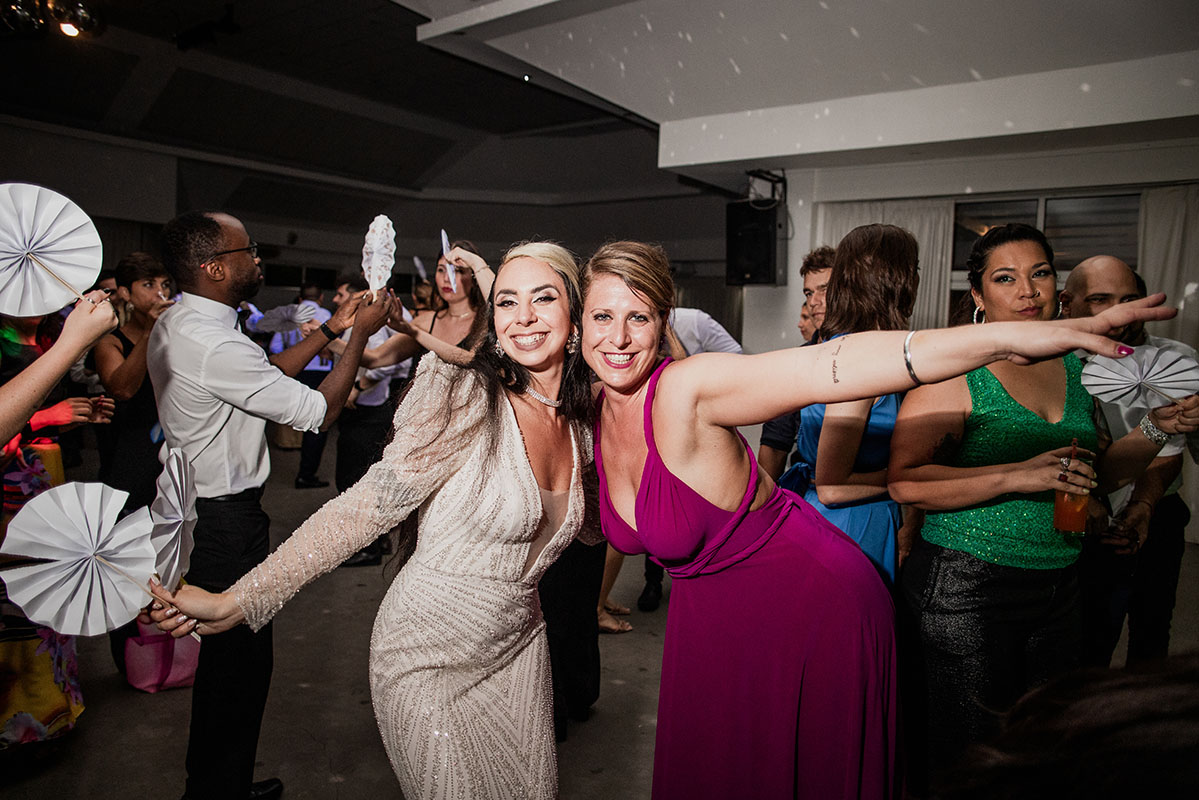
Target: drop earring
point(572, 343)
point(499, 351)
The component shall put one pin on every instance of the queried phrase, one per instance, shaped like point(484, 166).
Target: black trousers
point(234, 670)
point(361, 434)
point(1140, 586)
point(976, 636)
point(312, 446)
point(569, 592)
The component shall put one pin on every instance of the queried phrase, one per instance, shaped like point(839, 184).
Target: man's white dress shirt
point(699, 333)
point(215, 391)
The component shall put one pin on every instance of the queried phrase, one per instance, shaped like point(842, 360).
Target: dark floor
point(319, 734)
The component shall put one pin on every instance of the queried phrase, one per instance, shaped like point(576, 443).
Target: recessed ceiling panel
point(210, 113)
point(362, 47)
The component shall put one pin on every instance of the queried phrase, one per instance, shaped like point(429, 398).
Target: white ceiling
point(901, 66)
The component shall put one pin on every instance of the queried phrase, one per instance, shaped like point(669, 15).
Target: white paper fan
point(450, 272)
point(49, 250)
point(94, 570)
point(173, 514)
point(1150, 377)
point(379, 253)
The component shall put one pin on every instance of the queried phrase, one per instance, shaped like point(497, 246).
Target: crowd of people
point(851, 611)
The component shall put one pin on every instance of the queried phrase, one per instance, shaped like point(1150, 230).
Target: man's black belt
point(243, 496)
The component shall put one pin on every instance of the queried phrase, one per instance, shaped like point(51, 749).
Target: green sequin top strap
point(1013, 529)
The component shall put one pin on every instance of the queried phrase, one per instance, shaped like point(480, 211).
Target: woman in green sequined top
point(991, 587)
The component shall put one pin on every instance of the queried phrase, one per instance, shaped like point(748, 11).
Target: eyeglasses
point(252, 250)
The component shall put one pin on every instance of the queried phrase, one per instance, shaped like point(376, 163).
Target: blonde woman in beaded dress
point(492, 457)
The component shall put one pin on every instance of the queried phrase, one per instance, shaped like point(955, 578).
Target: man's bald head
point(1096, 284)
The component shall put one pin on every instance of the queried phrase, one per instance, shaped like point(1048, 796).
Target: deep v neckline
point(531, 478)
point(1018, 404)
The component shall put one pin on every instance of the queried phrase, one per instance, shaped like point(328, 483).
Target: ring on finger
point(1061, 476)
point(1065, 462)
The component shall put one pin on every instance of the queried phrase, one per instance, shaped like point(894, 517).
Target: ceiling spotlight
point(73, 17)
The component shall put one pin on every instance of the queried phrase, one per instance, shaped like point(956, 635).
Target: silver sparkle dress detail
point(459, 667)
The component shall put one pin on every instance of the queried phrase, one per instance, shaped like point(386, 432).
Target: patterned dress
point(459, 667)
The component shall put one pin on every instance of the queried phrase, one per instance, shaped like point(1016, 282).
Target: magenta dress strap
point(677, 526)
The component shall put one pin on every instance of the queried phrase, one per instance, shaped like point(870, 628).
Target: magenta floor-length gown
point(778, 676)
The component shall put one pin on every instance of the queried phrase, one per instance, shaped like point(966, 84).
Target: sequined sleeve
point(422, 456)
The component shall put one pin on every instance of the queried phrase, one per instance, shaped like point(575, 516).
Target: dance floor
point(319, 734)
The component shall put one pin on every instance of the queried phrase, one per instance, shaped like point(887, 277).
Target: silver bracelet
point(907, 358)
point(1152, 432)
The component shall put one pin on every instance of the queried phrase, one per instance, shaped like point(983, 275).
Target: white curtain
point(1168, 256)
point(930, 221)
point(1168, 260)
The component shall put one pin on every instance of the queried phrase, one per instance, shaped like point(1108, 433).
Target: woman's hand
point(160, 305)
point(192, 609)
point(1055, 470)
point(72, 411)
point(89, 321)
point(1026, 343)
point(102, 409)
point(465, 258)
point(1181, 417)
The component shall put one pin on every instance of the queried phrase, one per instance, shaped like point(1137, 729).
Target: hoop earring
point(572, 343)
point(980, 316)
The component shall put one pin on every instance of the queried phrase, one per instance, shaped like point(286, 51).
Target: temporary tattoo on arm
point(835, 352)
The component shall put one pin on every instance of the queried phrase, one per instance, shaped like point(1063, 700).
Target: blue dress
point(872, 524)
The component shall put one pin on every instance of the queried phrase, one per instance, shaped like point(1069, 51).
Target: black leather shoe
point(303, 482)
point(270, 789)
point(651, 597)
point(363, 558)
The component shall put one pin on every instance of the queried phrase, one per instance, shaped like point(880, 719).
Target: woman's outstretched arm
point(413, 467)
point(729, 390)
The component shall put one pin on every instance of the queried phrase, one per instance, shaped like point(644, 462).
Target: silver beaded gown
point(459, 667)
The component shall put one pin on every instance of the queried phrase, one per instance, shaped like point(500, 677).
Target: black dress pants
point(1140, 586)
point(234, 670)
point(312, 446)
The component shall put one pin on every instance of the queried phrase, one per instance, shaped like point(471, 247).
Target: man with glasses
point(215, 390)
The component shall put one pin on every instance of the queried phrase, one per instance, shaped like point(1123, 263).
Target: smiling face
point(442, 279)
point(1017, 283)
point(621, 332)
point(532, 314)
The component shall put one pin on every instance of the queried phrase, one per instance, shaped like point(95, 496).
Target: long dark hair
point(475, 297)
point(873, 282)
point(501, 372)
point(497, 372)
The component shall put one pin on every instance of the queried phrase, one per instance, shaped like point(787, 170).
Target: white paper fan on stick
point(92, 569)
point(379, 252)
point(49, 250)
point(173, 514)
point(1150, 377)
point(450, 272)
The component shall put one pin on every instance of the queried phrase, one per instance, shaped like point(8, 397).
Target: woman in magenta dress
point(778, 677)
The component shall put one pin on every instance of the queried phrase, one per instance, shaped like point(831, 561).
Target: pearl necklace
point(540, 398)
